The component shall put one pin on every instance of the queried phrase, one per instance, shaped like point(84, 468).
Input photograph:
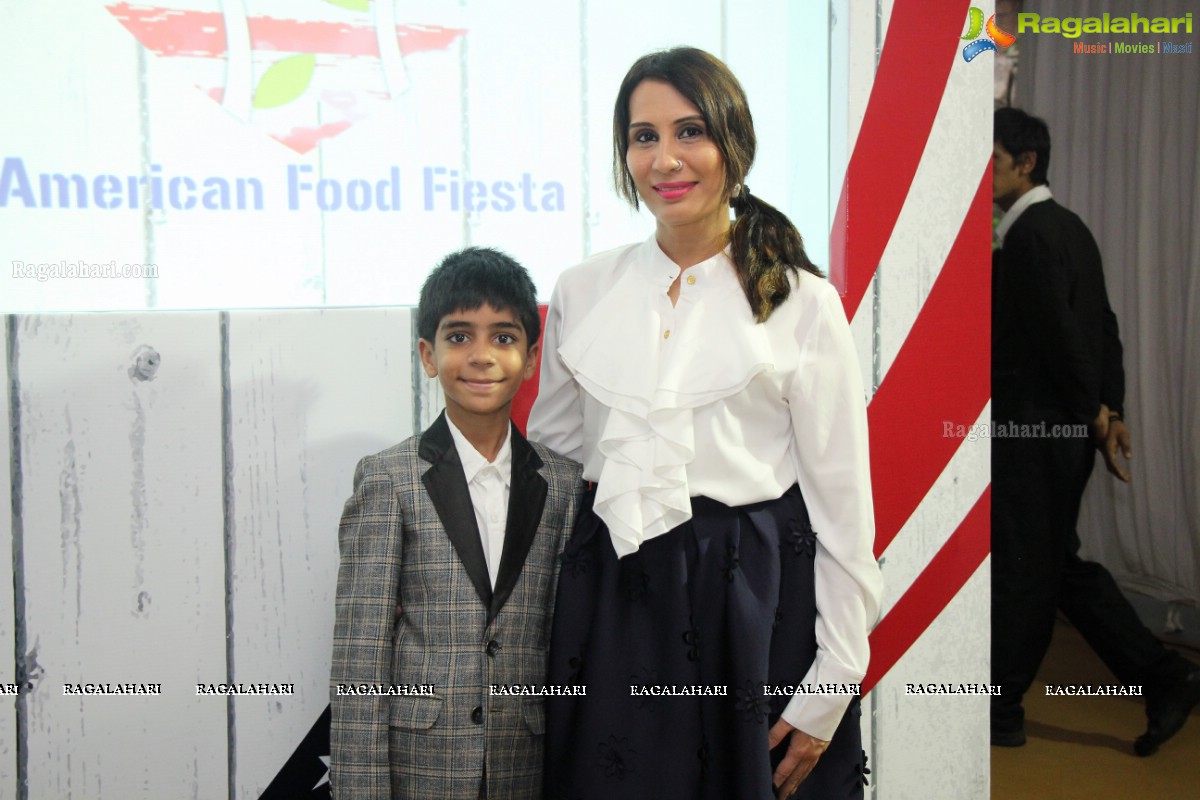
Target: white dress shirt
point(1037, 194)
point(662, 403)
point(488, 482)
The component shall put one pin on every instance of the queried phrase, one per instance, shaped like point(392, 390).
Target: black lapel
point(526, 499)
point(447, 488)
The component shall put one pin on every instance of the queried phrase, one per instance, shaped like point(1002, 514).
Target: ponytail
point(765, 247)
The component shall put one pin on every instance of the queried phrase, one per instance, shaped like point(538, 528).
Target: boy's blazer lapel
point(447, 487)
point(526, 499)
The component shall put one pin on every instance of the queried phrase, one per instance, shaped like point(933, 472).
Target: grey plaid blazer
point(408, 537)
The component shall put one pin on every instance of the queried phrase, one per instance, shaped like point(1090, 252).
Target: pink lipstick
point(675, 190)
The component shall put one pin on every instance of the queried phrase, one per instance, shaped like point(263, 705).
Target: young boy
point(449, 563)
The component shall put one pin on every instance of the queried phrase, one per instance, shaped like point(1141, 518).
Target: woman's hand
point(802, 754)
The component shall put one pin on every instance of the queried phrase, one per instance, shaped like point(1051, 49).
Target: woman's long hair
point(764, 244)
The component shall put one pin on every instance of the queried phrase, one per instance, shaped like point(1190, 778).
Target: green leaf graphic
point(975, 16)
point(284, 81)
point(353, 5)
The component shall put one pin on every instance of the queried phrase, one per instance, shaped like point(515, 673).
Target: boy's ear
point(532, 358)
point(425, 350)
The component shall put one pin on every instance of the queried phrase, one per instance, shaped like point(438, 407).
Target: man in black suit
point(1057, 390)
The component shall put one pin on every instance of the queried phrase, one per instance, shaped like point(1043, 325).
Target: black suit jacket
point(1056, 353)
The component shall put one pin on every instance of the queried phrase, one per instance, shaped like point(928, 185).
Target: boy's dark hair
point(465, 280)
point(1019, 132)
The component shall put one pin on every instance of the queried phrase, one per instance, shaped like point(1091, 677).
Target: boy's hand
point(802, 754)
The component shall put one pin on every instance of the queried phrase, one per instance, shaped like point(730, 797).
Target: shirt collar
point(660, 270)
point(473, 461)
point(1037, 194)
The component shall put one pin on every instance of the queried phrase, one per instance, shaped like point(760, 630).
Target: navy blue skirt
point(723, 603)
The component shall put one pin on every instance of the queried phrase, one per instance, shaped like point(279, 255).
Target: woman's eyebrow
point(680, 121)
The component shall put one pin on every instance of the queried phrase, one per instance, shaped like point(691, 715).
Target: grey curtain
point(1126, 133)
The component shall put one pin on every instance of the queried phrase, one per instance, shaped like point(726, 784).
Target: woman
point(707, 380)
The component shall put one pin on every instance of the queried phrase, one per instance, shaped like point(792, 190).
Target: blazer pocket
point(534, 713)
point(415, 713)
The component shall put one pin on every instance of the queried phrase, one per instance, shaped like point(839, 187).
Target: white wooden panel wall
point(925, 741)
point(125, 541)
point(854, 62)
point(311, 392)
point(123, 552)
point(930, 746)
point(854, 37)
point(8, 704)
point(937, 746)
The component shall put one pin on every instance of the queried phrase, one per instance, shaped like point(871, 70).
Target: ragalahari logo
point(996, 37)
point(299, 70)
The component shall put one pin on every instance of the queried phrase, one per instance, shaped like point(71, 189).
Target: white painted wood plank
point(311, 392)
point(945, 183)
point(862, 330)
point(856, 29)
point(124, 563)
point(927, 746)
point(940, 512)
point(8, 715)
point(841, 138)
point(937, 745)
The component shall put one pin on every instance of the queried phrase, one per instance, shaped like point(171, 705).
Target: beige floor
point(1082, 747)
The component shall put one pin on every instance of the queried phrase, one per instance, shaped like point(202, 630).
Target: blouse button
point(691, 280)
point(666, 334)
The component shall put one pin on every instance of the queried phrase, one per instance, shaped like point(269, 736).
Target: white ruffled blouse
point(662, 403)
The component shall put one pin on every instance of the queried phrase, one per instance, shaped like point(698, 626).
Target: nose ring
point(678, 166)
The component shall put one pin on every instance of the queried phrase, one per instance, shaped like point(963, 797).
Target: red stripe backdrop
point(920, 48)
